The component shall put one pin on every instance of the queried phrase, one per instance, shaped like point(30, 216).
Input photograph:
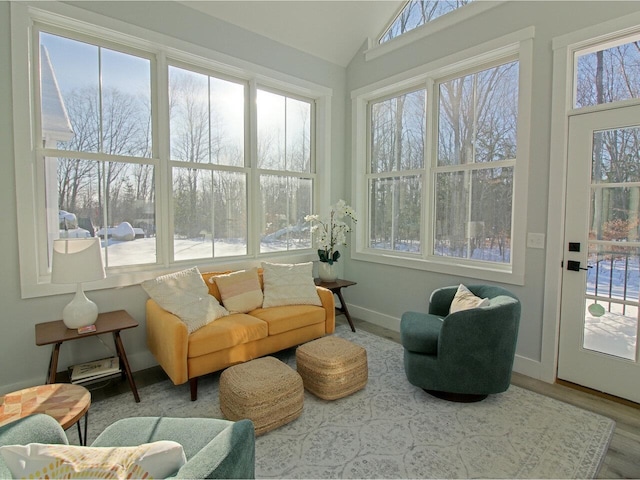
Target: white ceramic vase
point(327, 272)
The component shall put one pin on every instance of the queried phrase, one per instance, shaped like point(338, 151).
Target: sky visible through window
point(419, 12)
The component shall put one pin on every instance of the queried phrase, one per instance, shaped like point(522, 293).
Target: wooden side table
point(56, 333)
point(336, 288)
point(62, 401)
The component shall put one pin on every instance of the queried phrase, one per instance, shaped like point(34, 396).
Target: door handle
point(574, 266)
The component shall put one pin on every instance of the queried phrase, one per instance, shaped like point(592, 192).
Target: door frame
point(561, 109)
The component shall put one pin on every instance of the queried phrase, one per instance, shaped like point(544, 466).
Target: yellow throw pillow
point(240, 291)
point(464, 300)
point(150, 460)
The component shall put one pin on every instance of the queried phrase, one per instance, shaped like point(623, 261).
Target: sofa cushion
point(290, 317)
point(464, 299)
point(240, 291)
point(151, 460)
point(226, 332)
point(186, 295)
point(289, 284)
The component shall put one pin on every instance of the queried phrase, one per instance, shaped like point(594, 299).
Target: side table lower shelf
point(56, 333)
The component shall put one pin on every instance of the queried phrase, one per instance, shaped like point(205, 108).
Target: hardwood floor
point(622, 459)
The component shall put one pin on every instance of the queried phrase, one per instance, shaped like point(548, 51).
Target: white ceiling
point(333, 30)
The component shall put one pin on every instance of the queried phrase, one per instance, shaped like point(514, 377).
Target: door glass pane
point(609, 75)
point(613, 276)
point(611, 311)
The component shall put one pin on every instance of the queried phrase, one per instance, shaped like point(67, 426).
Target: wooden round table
point(65, 402)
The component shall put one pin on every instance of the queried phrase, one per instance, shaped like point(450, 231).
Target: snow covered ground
point(143, 250)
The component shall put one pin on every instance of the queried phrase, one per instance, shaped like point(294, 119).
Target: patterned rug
point(392, 429)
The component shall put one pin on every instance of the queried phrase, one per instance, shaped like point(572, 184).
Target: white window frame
point(517, 45)
point(29, 171)
point(438, 24)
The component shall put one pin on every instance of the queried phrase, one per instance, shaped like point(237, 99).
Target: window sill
point(447, 266)
point(129, 277)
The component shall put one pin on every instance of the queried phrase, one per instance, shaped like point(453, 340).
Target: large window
point(476, 159)
point(445, 164)
point(165, 156)
point(608, 74)
point(397, 171)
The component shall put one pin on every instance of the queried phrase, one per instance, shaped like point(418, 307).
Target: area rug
point(391, 429)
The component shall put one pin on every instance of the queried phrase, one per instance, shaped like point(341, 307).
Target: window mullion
point(163, 187)
point(254, 194)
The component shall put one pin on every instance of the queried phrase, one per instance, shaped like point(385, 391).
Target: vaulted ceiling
point(333, 30)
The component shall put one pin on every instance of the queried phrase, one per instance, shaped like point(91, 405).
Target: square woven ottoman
point(264, 390)
point(332, 367)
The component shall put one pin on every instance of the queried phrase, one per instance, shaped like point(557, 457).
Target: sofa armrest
point(37, 428)
point(168, 340)
point(441, 299)
point(329, 304)
point(230, 455)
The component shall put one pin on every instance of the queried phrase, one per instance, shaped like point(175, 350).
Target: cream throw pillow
point(464, 300)
point(240, 291)
point(149, 460)
point(289, 284)
point(185, 295)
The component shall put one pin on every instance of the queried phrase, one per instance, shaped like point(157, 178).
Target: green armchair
point(214, 448)
point(466, 355)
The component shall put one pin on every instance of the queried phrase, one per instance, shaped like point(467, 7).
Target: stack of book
point(91, 371)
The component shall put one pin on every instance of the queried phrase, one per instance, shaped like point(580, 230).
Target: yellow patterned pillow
point(240, 291)
point(149, 460)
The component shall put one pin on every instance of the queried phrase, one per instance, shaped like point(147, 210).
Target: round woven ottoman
point(332, 367)
point(264, 390)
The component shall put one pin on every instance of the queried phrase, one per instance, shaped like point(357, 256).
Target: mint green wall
point(389, 291)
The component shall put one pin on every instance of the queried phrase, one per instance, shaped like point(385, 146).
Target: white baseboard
point(380, 319)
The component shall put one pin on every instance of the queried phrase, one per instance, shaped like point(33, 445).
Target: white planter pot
point(326, 272)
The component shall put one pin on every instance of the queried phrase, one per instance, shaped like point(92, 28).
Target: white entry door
point(600, 298)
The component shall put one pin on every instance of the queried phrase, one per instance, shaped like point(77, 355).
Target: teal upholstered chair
point(466, 355)
point(214, 448)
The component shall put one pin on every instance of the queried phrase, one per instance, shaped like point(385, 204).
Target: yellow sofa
point(232, 339)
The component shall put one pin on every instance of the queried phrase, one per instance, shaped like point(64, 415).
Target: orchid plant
point(332, 232)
